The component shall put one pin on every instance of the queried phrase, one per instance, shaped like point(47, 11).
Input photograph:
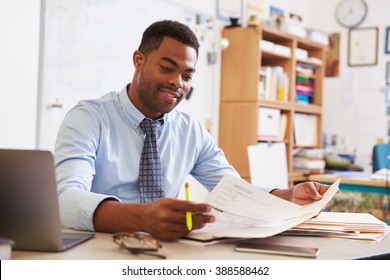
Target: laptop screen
point(29, 210)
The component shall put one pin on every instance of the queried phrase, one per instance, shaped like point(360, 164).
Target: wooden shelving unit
point(240, 101)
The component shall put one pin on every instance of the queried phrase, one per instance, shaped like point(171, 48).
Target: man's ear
point(138, 59)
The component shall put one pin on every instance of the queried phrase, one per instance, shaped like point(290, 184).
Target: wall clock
point(351, 13)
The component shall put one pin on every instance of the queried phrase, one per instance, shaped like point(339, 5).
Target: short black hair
point(155, 33)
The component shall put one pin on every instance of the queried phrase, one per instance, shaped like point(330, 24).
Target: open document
point(243, 210)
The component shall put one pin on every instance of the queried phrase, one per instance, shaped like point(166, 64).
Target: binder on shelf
point(268, 124)
point(282, 127)
point(305, 129)
point(282, 87)
point(265, 82)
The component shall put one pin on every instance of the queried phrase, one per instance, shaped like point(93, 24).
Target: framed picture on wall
point(387, 46)
point(363, 46)
point(230, 9)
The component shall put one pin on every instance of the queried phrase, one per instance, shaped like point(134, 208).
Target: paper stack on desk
point(363, 226)
point(243, 210)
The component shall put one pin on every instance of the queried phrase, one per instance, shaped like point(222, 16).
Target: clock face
point(351, 13)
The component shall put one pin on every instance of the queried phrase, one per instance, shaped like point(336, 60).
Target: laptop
point(29, 208)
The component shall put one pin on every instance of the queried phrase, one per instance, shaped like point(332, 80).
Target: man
point(99, 146)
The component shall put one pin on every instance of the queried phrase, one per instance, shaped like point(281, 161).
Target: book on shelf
point(312, 153)
point(263, 82)
point(305, 68)
point(305, 129)
point(273, 89)
point(304, 84)
point(309, 161)
point(273, 83)
point(310, 171)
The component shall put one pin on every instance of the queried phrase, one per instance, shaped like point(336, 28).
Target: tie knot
point(149, 126)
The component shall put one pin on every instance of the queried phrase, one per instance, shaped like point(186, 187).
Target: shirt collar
point(132, 113)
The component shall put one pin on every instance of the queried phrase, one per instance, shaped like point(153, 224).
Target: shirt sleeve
point(211, 164)
point(75, 154)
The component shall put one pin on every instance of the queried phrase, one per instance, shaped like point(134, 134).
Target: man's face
point(164, 77)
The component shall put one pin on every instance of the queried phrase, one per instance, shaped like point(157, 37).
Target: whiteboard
point(86, 51)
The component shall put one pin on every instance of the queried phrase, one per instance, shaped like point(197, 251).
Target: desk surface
point(102, 247)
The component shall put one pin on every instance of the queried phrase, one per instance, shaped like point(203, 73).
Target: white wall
point(19, 36)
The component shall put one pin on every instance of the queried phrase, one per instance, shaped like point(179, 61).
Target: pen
point(188, 213)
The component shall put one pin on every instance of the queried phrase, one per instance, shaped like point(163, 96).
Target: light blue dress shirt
point(98, 151)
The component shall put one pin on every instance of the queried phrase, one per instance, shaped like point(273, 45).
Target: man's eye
point(187, 77)
point(166, 69)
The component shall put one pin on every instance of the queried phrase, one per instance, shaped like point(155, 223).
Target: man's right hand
point(164, 218)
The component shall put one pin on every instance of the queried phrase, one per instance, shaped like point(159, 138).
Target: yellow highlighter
point(188, 213)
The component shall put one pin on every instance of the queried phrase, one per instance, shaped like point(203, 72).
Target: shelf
point(309, 109)
point(291, 106)
point(267, 55)
point(240, 84)
point(309, 62)
point(275, 104)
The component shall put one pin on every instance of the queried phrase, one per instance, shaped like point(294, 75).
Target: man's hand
point(302, 193)
point(307, 192)
point(165, 218)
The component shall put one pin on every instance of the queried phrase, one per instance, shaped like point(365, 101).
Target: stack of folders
point(361, 226)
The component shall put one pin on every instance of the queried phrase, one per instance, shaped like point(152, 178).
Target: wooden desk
point(360, 184)
point(103, 248)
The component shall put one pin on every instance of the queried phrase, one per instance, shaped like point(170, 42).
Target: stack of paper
point(309, 161)
point(243, 210)
point(381, 174)
point(362, 226)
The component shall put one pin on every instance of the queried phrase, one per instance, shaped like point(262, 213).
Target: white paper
point(244, 210)
point(268, 165)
